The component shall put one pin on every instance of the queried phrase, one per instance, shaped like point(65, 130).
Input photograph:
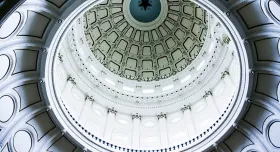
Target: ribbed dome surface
point(129, 50)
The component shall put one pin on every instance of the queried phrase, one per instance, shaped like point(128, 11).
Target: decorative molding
point(226, 39)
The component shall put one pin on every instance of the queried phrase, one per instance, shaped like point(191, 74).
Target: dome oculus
point(145, 10)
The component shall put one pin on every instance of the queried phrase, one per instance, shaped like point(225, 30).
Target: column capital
point(188, 107)
point(207, 93)
point(136, 116)
point(60, 57)
point(224, 74)
point(90, 98)
point(161, 115)
point(72, 80)
point(112, 110)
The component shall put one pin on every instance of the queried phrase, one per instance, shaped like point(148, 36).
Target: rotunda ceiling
point(226, 99)
point(203, 73)
point(146, 40)
point(116, 68)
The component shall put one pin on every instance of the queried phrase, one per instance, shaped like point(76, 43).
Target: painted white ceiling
point(27, 123)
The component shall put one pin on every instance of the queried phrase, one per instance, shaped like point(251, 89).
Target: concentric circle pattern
point(114, 108)
point(57, 93)
point(146, 55)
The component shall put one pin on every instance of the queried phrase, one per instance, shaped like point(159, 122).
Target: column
point(189, 121)
point(86, 109)
point(228, 80)
point(163, 130)
point(136, 131)
point(70, 83)
point(68, 99)
point(211, 104)
point(110, 124)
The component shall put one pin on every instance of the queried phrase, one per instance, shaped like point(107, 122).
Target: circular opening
point(145, 10)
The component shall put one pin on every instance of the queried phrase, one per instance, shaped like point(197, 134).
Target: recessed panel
point(35, 25)
point(274, 134)
point(135, 39)
point(7, 108)
point(10, 25)
point(4, 66)
point(22, 141)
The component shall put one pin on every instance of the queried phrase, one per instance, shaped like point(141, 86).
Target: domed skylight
point(146, 84)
